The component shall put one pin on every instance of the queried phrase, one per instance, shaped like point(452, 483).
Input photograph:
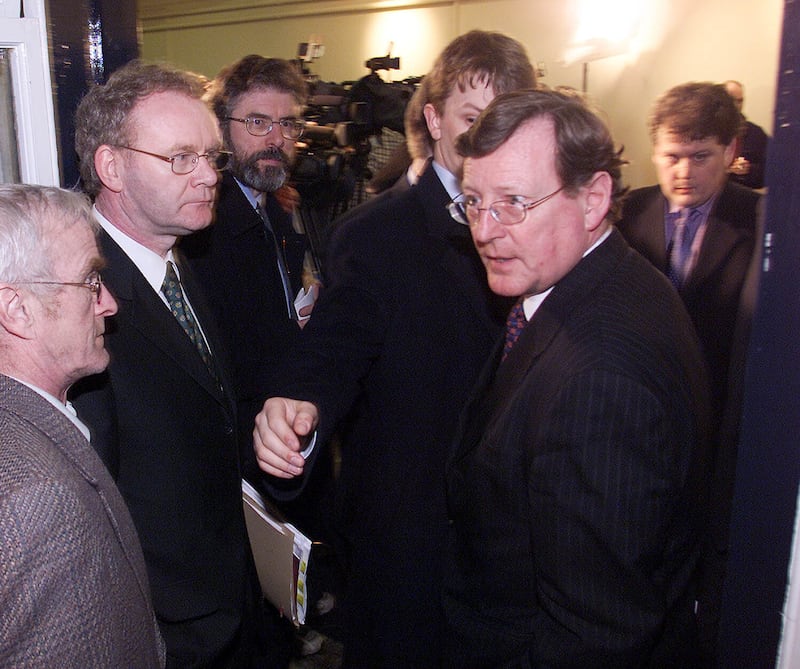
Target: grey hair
point(28, 217)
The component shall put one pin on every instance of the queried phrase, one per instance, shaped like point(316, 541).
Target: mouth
point(274, 157)
point(495, 260)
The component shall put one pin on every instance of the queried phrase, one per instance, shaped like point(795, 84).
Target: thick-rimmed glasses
point(291, 128)
point(94, 282)
point(186, 161)
point(508, 211)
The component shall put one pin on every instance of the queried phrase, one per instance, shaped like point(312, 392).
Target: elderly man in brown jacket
point(73, 585)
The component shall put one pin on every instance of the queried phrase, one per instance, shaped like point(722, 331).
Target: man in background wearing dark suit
point(750, 160)
point(163, 415)
point(73, 583)
point(250, 261)
point(576, 484)
point(396, 341)
point(698, 227)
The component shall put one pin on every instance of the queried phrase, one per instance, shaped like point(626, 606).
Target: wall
point(676, 41)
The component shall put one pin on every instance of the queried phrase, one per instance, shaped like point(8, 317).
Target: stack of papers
point(281, 554)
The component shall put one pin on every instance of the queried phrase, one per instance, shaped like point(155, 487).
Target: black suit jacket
point(235, 262)
point(712, 291)
point(396, 341)
point(166, 430)
point(576, 485)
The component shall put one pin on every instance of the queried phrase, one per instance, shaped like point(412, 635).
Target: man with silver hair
point(73, 583)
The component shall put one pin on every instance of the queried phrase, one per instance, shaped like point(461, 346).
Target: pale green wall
point(681, 40)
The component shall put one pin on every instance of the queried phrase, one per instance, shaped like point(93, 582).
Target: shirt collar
point(448, 179)
point(152, 266)
point(533, 302)
point(66, 409)
point(252, 196)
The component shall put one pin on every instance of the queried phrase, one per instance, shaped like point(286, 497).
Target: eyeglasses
point(291, 128)
point(94, 282)
point(187, 161)
point(509, 211)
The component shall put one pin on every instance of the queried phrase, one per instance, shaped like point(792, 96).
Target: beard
point(266, 179)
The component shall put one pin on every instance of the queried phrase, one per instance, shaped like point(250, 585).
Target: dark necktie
point(279, 252)
point(174, 293)
point(515, 324)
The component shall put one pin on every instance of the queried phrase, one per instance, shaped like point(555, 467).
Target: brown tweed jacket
point(73, 585)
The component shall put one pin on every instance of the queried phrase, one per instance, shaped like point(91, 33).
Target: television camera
point(332, 165)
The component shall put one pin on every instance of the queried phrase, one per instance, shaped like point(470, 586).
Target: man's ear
point(729, 152)
point(597, 199)
point(433, 120)
point(16, 315)
point(108, 166)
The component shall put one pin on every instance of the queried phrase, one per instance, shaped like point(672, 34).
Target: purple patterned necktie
point(515, 323)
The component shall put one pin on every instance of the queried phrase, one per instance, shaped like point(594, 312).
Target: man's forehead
point(172, 114)
point(255, 99)
point(671, 136)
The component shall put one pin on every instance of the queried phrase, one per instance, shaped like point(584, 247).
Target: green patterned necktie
point(174, 293)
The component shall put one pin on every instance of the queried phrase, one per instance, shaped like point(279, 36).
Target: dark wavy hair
point(583, 141)
point(697, 110)
point(253, 72)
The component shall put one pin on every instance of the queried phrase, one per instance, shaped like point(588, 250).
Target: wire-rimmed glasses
point(291, 128)
point(185, 162)
point(94, 282)
point(508, 211)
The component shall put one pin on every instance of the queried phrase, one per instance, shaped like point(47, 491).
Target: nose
point(485, 228)
point(106, 304)
point(684, 167)
point(205, 173)
point(274, 136)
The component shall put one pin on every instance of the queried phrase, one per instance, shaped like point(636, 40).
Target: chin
point(501, 286)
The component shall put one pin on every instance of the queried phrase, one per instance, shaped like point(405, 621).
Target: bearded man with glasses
point(163, 415)
point(251, 261)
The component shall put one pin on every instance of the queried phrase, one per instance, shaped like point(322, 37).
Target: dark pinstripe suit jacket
point(575, 485)
point(73, 584)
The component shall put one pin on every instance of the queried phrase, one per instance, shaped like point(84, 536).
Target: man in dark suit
point(163, 415)
point(576, 485)
point(396, 341)
point(73, 583)
point(694, 130)
point(250, 261)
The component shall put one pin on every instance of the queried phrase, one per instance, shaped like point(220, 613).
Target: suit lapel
point(68, 440)
point(239, 214)
point(144, 312)
point(649, 234)
point(499, 382)
point(720, 238)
